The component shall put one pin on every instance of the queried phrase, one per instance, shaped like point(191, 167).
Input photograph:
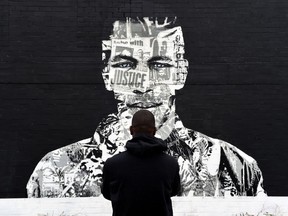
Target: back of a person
point(142, 184)
point(140, 181)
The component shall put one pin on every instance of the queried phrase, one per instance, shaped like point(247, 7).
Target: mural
point(144, 65)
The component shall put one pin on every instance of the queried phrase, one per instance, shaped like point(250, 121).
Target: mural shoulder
point(244, 168)
point(53, 165)
point(231, 149)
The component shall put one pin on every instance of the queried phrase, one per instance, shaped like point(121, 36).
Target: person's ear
point(183, 72)
point(106, 52)
point(131, 130)
point(154, 131)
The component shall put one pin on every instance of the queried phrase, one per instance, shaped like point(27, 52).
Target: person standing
point(141, 180)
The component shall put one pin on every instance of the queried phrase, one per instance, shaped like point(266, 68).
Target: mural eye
point(159, 65)
point(124, 65)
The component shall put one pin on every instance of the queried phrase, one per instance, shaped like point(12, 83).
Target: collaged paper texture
point(144, 64)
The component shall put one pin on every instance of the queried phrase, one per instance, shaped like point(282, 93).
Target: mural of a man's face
point(138, 71)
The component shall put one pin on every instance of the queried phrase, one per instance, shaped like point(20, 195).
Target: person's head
point(143, 122)
point(145, 62)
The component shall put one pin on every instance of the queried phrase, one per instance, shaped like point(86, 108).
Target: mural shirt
point(208, 167)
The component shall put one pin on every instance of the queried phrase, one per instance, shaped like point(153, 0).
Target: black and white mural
point(73, 73)
point(144, 65)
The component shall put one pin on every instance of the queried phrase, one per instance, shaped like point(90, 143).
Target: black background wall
point(52, 94)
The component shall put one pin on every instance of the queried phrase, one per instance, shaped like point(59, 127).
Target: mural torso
point(208, 167)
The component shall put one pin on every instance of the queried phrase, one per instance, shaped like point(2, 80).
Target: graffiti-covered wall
point(74, 72)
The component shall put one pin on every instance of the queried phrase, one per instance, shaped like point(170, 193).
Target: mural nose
point(141, 92)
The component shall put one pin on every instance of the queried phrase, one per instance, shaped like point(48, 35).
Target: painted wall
point(52, 93)
point(182, 206)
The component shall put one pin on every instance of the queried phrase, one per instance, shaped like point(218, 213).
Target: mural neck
point(114, 129)
point(164, 117)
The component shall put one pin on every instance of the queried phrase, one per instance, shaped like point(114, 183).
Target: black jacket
point(141, 180)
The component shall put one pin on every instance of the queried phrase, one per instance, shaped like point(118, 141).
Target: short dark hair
point(137, 10)
point(143, 121)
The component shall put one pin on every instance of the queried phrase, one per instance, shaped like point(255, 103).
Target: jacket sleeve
point(37, 178)
point(105, 188)
point(33, 185)
point(257, 188)
point(176, 186)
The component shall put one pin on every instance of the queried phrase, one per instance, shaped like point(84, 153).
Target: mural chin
point(162, 111)
point(144, 105)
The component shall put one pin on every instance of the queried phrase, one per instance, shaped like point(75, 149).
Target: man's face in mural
point(146, 63)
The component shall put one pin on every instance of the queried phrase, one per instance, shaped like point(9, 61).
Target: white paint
point(182, 206)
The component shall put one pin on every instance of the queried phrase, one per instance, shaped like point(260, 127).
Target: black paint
point(52, 94)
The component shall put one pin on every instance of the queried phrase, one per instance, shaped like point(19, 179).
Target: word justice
point(129, 78)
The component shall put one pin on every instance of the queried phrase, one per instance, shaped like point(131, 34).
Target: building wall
point(52, 93)
point(182, 206)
